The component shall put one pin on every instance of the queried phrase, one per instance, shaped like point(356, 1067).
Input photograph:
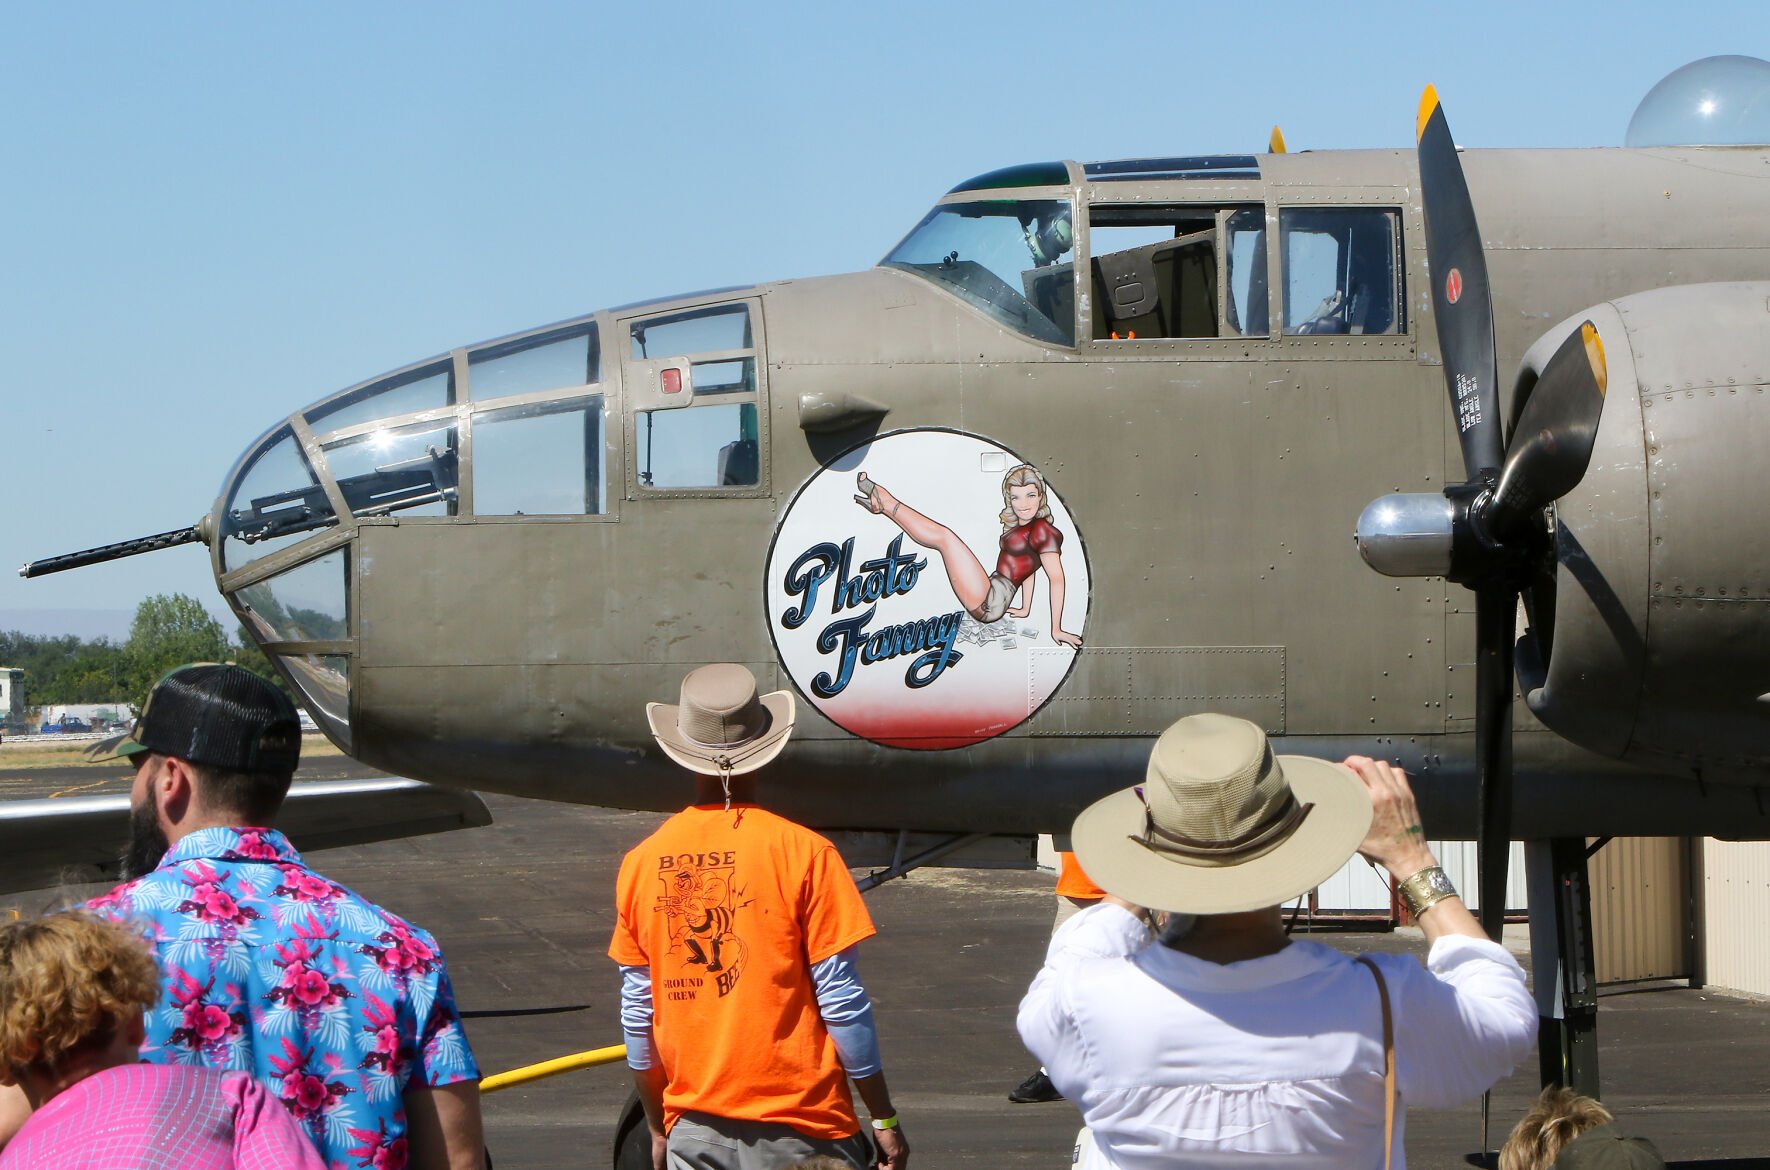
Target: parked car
point(66, 725)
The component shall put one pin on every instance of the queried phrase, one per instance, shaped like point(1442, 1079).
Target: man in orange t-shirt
point(736, 931)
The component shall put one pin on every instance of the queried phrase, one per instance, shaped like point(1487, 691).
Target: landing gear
point(1564, 966)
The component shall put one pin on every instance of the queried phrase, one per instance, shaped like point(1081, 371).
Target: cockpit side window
point(1193, 271)
point(1341, 268)
point(1003, 256)
point(1245, 311)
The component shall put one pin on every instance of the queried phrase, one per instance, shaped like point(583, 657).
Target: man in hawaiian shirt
point(342, 1009)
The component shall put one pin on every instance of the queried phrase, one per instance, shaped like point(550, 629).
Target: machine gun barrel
point(111, 552)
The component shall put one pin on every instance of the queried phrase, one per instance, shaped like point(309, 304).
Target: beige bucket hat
point(1221, 824)
point(721, 727)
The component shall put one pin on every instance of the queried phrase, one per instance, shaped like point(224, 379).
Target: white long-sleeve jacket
point(1175, 1061)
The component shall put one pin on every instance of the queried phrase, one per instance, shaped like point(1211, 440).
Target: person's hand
point(660, 1152)
point(1397, 840)
point(894, 1148)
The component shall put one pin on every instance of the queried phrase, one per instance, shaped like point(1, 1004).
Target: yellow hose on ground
point(552, 1068)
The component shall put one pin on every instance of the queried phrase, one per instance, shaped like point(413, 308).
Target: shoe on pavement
point(1037, 1087)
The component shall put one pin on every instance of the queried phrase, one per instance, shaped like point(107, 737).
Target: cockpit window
point(401, 394)
point(551, 361)
point(1188, 270)
point(1340, 266)
point(1005, 256)
point(411, 470)
point(274, 504)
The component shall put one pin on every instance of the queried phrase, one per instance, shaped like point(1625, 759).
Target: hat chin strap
point(724, 765)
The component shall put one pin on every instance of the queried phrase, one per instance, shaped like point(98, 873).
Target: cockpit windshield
point(1005, 256)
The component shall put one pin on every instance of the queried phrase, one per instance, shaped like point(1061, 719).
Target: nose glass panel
point(309, 603)
point(324, 683)
point(275, 502)
point(550, 362)
point(544, 459)
point(401, 394)
point(412, 470)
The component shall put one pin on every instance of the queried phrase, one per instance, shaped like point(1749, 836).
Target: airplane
point(1157, 395)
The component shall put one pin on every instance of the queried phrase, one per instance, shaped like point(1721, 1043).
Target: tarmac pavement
point(523, 909)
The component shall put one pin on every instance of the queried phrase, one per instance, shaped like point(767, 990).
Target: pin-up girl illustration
point(1029, 542)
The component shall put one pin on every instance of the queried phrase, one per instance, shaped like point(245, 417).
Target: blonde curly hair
point(67, 981)
point(1022, 475)
point(1557, 1117)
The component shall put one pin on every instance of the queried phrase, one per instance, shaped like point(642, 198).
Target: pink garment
point(161, 1117)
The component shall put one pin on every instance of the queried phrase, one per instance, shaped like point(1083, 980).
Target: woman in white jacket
point(1232, 1044)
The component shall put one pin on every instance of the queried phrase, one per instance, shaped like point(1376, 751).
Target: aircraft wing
point(77, 839)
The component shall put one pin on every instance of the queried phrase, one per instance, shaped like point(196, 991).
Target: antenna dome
point(1717, 101)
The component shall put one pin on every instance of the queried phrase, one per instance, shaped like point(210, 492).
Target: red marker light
point(672, 381)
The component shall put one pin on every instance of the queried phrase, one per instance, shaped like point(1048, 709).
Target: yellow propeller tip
point(1275, 144)
point(1428, 103)
point(1595, 354)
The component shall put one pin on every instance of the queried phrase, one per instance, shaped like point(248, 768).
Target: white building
point(12, 696)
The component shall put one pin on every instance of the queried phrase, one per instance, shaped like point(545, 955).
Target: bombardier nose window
point(549, 362)
point(411, 470)
point(309, 603)
point(276, 503)
point(422, 389)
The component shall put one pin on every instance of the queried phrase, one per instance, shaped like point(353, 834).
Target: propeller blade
point(1552, 445)
point(1496, 608)
point(1275, 144)
point(1460, 298)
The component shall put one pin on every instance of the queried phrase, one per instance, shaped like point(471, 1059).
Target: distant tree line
point(169, 630)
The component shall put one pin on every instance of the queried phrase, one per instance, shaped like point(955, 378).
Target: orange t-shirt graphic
point(730, 909)
point(1073, 882)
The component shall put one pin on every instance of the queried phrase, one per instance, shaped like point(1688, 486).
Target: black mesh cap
point(222, 716)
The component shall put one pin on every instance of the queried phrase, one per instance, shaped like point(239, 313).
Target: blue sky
point(215, 213)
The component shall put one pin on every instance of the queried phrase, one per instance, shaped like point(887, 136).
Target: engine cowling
point(1650, 641)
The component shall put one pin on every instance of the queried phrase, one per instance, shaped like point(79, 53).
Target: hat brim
point(117, 747)
point(747, 757)
point(1107, 832)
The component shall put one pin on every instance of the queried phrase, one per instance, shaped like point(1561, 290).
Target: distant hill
point(85, 624)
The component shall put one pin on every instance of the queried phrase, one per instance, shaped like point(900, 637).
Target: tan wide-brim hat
point(1221, 824)
point(721, 726)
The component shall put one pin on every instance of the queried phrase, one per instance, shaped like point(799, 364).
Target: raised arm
point(1467, 1019)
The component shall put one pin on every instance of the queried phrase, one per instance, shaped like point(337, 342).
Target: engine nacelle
point(1653, 642)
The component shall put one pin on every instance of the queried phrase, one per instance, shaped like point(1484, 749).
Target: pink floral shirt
point(150, 1117)
point(331, 1002)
